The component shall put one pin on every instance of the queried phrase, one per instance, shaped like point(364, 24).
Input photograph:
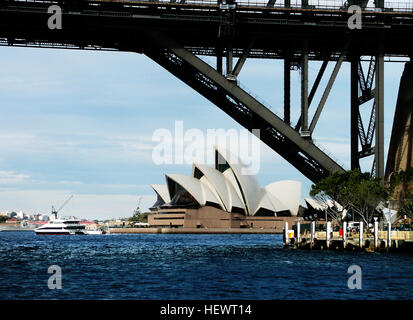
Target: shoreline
point(192, 231)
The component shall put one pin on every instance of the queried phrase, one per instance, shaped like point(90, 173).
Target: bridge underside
point(400, 156)
point(173, 34)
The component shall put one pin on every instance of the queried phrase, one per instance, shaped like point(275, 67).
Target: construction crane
point(137, 211)
point(55, 212)
point(139, 203)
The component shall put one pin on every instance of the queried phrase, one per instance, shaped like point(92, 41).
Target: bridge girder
point(290, 33)
point(246, 110)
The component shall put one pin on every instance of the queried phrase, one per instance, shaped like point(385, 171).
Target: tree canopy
point(138, 216)
point(355, 191)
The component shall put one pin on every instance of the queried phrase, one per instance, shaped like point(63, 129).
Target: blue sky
point(81, 122)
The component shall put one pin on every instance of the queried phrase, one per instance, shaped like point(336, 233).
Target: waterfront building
point(224, 196)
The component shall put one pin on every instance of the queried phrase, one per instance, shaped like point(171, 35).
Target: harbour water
point(182, 266)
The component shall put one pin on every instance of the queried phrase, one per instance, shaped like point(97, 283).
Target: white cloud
point(83, 147)
point(88, 206)
point(7, 177)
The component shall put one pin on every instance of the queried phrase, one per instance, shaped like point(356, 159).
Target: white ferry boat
point(62, 226)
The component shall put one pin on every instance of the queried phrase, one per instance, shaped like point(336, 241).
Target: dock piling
point(376, 234)
point(361, 235)
point(388, 236)
point(312, 234)
point(286, 239)
point(298, 234)
point(328, 231)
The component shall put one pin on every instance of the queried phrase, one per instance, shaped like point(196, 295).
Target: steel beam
point(287, 90)
point(271, 3)
point(245, 109)
point(242, 59)
point(304, 91)
point(229, 59)
point(314, 89)
point(219, 58)
point(354, 112)
point(327, 91)
point(317, 82)
point(379, 105)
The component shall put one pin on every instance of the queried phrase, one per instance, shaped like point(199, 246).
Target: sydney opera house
point(223, 196)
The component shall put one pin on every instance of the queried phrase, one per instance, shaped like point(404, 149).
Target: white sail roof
point(247, 183)
point(232, 181)
point(289, 191)
point(204, 180)
point(162, 191)
point(265, 202)
point(224, 189)
point(217, 182)
point(200, 191)
point(276, 202)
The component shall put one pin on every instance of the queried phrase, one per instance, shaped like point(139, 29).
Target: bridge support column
point(287, 90)
point(354, 129)
point(304, 92)
point(230, 75)
point(379, 96)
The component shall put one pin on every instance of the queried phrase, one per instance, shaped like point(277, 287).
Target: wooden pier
point(375, 241)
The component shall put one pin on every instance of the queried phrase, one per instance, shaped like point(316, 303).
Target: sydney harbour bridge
point(176, 34)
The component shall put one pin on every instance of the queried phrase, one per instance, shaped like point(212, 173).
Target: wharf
point(374, 241)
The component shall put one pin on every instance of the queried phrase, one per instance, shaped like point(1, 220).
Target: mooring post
point(312, 234)
point(328, 228)
point(361, 235)
point(298, 233)
point(344, 234)
point(376, 234)
point(388, 235)
point(286, 240)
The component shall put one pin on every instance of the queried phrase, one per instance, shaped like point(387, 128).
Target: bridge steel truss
point(241, 106)
point(174, 34)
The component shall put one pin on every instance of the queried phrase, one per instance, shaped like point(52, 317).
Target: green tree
point(138, 216)
point(407, 210)
point(354, 191)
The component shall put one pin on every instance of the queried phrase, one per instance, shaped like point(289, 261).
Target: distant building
point(224, 197)
point(20, 215)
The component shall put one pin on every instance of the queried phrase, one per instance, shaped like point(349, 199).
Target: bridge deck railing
point(404, 6)
point(389, 5)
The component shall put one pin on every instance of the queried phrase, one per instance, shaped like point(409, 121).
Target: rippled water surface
point(156, 266)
